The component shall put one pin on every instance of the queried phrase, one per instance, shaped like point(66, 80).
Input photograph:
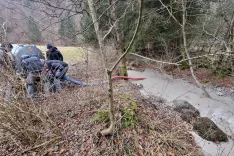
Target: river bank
point(219, 109)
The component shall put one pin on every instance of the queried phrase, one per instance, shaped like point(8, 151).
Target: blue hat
point(49, 46)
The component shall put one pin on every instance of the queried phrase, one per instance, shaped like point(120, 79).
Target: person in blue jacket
point(54, 70)
point(32, 66)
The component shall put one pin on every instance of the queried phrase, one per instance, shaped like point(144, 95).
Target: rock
point(139, 85)
point(73, 63)
point(133, 64)
point(189, 115)
point(208, 130)
point(219, 89)
point(188, 112)
point(130, 68)
point(179, 105)
point(56, 148)
point(158, 99)
point(219, 93)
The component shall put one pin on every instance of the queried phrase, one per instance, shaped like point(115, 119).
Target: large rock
point(179, 105)
point(189, 115)
point(188, 112)
point(208, 130)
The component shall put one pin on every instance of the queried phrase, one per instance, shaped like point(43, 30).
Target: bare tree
point(109, 71)
point(184, 2)
point(183, 26)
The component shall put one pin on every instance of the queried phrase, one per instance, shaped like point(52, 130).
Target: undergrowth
point(101, 116)
point(129, 114)
point(128, 119)
point(45, 126)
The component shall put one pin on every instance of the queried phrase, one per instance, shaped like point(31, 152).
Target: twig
point(43, 144)
point(170, 12)
point(178, 63)
point(171, 63)
point(3, 27)
point(113, 26)
point(109, 31)
point(196, 57)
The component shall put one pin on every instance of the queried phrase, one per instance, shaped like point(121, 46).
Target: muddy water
point(220, 109)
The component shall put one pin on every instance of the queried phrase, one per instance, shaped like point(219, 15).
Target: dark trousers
point(32, 79)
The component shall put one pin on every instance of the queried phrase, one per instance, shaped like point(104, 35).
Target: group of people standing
point(49, 71)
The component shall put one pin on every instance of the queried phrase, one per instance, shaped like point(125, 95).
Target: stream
point(219, 109)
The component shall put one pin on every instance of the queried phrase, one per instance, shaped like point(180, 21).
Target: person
point(32, 66)
point(54, 71)
point(53, 53)
point(7, 61)
point(7, 58)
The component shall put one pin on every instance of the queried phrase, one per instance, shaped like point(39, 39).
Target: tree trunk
point(120, 38)
point(96, 27)
point(186, 50)
point(109, 73)
point(111, 106)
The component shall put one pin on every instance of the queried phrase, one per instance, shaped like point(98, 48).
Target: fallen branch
point(178, 63)
point(197, 57)
point(171, 63)
point(41, 145)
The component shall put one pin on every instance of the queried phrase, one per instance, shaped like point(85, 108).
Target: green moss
point(125, 97)
point(221, 73)
point(101, 116)
point(129, 115)
point(184, 65)
point(204, 81)
point(124, 71)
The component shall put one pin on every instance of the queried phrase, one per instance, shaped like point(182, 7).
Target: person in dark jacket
point(53, 53)
point(55, 70)
point(32, 66)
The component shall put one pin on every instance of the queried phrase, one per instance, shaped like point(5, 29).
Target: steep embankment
point(220, 109)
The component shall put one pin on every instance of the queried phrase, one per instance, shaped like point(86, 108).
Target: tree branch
point(163, 62)
point(4, 29)
point(184, 2)
point(170, 12)
point(133, 38)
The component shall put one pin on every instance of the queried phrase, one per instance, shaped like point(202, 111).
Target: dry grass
point(68, 115)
